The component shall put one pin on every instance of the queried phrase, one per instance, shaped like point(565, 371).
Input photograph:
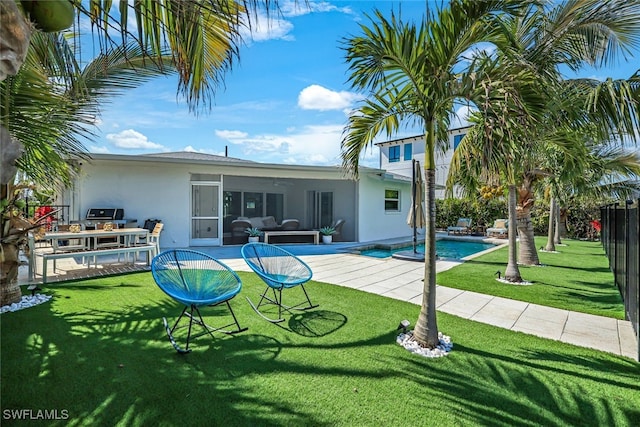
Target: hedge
point(484, 211)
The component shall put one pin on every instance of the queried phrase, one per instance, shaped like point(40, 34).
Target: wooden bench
point(148, 248)
point(314, 233)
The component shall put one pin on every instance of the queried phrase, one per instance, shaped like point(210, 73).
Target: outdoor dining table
point(129, 235)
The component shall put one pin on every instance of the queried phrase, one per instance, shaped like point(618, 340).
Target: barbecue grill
point(114, 215)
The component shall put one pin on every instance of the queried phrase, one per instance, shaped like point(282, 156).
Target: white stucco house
point(396, 156)
point(198, 195)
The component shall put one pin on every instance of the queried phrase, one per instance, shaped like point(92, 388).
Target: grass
point(576, 278)
point(98, 351)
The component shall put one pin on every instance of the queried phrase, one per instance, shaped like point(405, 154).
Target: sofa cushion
point(256, 222)
point(290, 224)
point(269, 222)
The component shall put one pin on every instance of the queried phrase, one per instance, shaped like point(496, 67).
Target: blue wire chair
point(280, 270)
point(195, 279)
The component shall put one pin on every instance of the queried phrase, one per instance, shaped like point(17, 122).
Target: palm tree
point(573, 34)
point(198, 38)
point(495, 151)
point(410, 73)
point(47, 115)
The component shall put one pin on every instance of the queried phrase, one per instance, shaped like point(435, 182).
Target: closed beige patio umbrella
point(417, 217)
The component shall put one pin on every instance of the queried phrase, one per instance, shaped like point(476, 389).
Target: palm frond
point(50, 114)
point(364, 125)
point(202, 36)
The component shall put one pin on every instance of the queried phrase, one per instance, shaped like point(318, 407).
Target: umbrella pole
point(415, 210)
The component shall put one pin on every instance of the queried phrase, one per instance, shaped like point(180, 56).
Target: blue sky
point(285, 101)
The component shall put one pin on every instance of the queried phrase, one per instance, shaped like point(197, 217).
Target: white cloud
point(461, 117)
point(596, 77)
point(190, 148)
point(265, 28)
point(99, 150)
point(130, 139)
point(230, 134)
point(480, 48)
point(296, 8)
point(316, 97)
point(276, 26)
point(317, 145)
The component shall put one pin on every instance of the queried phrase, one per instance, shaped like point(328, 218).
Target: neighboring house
point(396, 156)
point(198, 195)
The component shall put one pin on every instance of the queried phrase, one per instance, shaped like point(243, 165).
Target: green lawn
point(576, 278)
point(98, 351)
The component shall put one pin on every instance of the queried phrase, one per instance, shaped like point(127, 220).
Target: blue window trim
point(394, 154)
point(408, 151)
point(457, 139)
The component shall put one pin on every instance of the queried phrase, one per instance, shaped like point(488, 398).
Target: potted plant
point(254, 234)
point(327, 234)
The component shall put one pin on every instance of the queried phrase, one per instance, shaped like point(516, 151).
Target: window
point(408, 151)
point(205, 177)
point(391, 200)
point(253, 204)
point(394, 154)
point(232, 204)
point(275, 206)
point(457, 139)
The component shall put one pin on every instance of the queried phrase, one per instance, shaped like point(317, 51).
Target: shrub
point(579, 214)
point(484, 211)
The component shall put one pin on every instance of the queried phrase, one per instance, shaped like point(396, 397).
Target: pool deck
point(403, 280)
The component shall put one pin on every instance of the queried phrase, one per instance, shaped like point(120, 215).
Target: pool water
point(455, 249)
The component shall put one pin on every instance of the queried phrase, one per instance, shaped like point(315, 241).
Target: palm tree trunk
point(558, 232)
point(9, 290)
point(9, 261)
point(512, 273)
point(426, 330)
point(15, 38)
point(528, 255)
point(562, 223)
point(552, 221)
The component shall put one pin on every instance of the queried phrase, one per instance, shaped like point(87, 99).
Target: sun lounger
point(499, 228)
point(463, 226)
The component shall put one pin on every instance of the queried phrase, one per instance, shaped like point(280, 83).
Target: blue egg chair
point(195, 280)
point(280, 270)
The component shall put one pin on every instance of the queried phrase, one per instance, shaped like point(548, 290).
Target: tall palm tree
point(572, 33)
point(495, 151)
point(46, 110)
point(198, 38)
point(410, 73)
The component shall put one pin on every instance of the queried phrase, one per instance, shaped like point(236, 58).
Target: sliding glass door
point(319, 208)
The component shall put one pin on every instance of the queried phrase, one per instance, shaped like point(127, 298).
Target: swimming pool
point(451, 249)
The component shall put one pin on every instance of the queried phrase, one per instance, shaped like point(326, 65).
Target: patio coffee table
point(314, 233)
